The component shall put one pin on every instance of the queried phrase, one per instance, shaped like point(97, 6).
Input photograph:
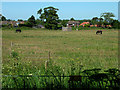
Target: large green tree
point(115, 24)
point(50, 17)
point(3, 18)
point(64, 22)
point(94, 20)
point(31, 21)
point(107, 17)
point(19, 20)
point(72, 19)
point(40, 12)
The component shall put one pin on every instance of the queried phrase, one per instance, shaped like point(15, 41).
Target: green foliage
point(91, 50)
point(50, 17)
point(107, 17)
point(115, 24)
point(7, 25)
point(94, 20)
point(40, 11)
point(14, 54)
point(72, 19)
point(97, 21)
point(3, 18)
point(87, 25)
point(31, 21)
point(53, 77)
point(27, 24)
point(64, 23)
point(20, 20)
point(39, 22)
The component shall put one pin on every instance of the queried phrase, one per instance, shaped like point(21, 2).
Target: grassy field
point(69, 53)
point(84, 47)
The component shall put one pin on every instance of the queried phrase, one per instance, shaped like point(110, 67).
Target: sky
point(67, 10)
point(60, 0)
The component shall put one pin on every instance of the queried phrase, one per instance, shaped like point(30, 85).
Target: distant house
point(13, 23)
point(5, 22)
point(21, 22)
point(84, 23)
point(38, 26)
point(108, 26)
point(91, 25)
point(73, 23)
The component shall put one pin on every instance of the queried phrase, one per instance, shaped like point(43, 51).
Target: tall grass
point(102, 50)
point(71, 53)
point(19, 74)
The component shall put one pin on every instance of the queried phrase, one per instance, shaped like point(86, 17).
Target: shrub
point(87, 25)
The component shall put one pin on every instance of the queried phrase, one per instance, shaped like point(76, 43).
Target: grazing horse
point(99, 32)
point(18, 30)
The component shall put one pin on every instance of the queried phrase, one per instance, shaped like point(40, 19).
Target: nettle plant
point(14, 55)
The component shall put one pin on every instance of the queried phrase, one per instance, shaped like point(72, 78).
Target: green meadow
point(84, 47)
point(66, 53)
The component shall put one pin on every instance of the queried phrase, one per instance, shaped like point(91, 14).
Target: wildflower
point(59, 57)
point(39, 71)
point(12, 50)
point(72, 59)
point(30, 74)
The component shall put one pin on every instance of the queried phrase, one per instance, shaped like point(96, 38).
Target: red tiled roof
point(91, 25)
point(84, 23)
point(108, 25)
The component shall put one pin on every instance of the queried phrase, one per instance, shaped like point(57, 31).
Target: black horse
point(18, 30)
point(99, 32)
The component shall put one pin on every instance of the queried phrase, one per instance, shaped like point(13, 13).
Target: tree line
point(49, 18)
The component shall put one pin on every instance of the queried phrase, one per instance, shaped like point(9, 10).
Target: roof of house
point(21, 22)
point(5, 22)
point(108, 25)
point(73, 22)
point(13, 22)
point(85, 23)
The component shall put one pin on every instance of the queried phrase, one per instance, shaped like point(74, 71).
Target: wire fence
point(51, 81)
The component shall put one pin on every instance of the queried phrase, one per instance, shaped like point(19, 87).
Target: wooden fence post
point(11, 47)
point(11, 44)
point(46, 62)
point(48, 55)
